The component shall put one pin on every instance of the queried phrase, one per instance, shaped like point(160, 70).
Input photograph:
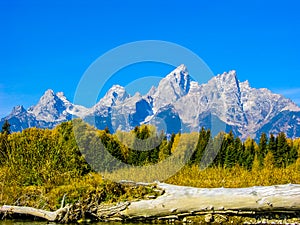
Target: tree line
point(74, 147)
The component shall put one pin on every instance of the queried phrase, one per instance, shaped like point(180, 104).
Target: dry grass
point(235, 177)
point(78, 189)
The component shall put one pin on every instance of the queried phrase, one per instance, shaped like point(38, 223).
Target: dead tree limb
point(179, 201)
point(44, 214)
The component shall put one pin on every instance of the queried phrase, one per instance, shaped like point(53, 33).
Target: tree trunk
point(44, 214)
point(180, 201)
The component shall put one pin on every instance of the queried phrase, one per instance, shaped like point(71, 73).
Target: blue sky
point(50, 44)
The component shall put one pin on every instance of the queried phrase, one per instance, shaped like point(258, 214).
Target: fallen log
point(180, 201)
point(57, 215)
point(44, 214)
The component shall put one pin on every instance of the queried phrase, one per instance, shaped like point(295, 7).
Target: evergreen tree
point(239, 148)
point(230, 152)
point(262, 148)
point(170, 143)
point(219, 160)
point(6, 128)
point(249, 153)
point(107, 130)
point(145, 146)
point(282, 152)
point(272, 146)
point(203, 139)
point(3, 147)
point(293, 154)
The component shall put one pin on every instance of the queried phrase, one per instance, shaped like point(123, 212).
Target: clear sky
point(49, 44)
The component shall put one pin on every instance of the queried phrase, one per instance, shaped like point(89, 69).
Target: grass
point(235, 177)
point(77, 189)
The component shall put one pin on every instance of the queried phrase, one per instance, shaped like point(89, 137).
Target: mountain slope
point(51, 110)
point(178, 103)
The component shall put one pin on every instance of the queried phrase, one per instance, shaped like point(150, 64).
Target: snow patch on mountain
point(50, 108)
point(177, 104)
point(171, 88)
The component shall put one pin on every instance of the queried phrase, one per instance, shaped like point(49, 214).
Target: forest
point(39, 166)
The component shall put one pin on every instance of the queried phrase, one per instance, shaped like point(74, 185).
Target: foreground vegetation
point(38, 167)
point(235, 177)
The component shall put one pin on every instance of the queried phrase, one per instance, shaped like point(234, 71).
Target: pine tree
point(6, 128)
point(282, 151)
point(201, 145)
point(272, 145)
point(219, 160)
point(263, 142)
point(107, 130)
point(249, 153)
point(170, 143)
point(239, 148)
point(230, 152)
point(3, 147)
point(4, 141)
point(293, 154)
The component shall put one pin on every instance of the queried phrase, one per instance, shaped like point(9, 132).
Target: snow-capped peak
point(113, 96)
point(17, 110)
point(180, 69)
point(175, 85)
point(245, 84)
point(245, 110)
point(48, 99)
point(228, 78)
point(151, 91)
point(118, 92)
point(48, 94)
point(62, 97)
point(50, 107)
point(180, 77)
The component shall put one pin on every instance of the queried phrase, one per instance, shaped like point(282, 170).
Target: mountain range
point(177, 104)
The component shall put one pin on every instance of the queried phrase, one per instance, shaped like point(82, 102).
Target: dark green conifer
point(6, 128)
point(262, 148)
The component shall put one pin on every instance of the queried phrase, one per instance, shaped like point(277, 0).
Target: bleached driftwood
point(180, 201)
point(44, 214)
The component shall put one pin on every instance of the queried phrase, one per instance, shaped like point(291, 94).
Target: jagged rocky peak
point(49, 108)
point(48, 98)
point(51, 98)
point(17, 110)
point(228, 77)
point(116, 94)
point(225, 82)
point(243, 109)
point(62, 97)
point(181, 77)
point(245, 84)
point(151, 91)
point(181, 69)
point(49, 93)
point(171, 88)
